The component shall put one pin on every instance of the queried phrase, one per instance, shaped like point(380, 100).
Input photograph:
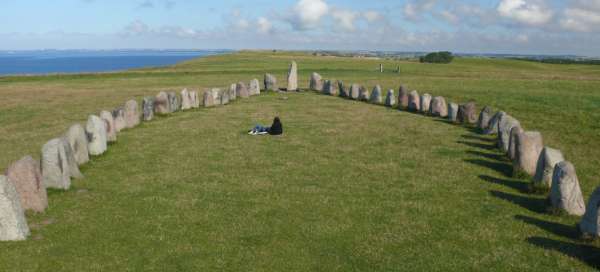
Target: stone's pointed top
point(26, 176)
point(13, 225)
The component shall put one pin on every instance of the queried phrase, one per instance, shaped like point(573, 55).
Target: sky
point(467, 26)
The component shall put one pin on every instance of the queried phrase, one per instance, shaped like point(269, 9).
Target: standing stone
point(174, 103)
point(590, 223)
point(13, 226)
point(25, 175)
point(381, 68)
point(485, 116)
point(316, 82)
point(271, 83)
point(209, 99)
point(493, 125)
point(375, 97)
point(161, 103)
point(425, 103)
point(414, 101)
point(363, 94)
point(402, 97)
point(528, 148)
point(186, 100)
point(119, 118)
point(439, 107)
point(452, 112)
point(565, 193)
point(148, 107)
point(241, 90)
point(96, 131)
point(254, 87)
point(545, 167)
point(196, 100)
point(467, 113)
point(329, 88)
point(232, 92)
point(504, 126)
point(292, 77)
point(512, 142)
point(111, 130)
point(70, 157)
point(390, 98)
point(78, 141)
point(223, 96)
point(132, 114)
point(216, 93)
point(343, 91)
point(55, 167)
point(354, 91)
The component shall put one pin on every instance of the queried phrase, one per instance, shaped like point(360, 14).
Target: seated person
point(275, 129)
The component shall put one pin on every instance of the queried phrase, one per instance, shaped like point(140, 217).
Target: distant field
point(350, 186)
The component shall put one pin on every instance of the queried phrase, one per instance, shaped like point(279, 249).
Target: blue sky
point(484, 26)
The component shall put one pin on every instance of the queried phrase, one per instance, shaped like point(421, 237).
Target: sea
point(40, 62)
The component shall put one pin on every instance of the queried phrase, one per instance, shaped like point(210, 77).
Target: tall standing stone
point(505, 124)
point(78, 140)
point(342, 89)
point(70, 157)
point(241, 90)
point(453, 112)
point(13, 225)
point(375, 97)
point(425, 103)
point(493, 124)
point(439, 107)
point(55, 166)
point(292, 77)
point(132, 114)
point(354, 91)
point(590, 223)
point(254, 87)
point(223, 96)
point(329, 88)
point(209, 99)
point(529, 146)
point(161, 103)
point(196, 99)
point(216, 93)
point(381, 68)
point(414, 101)
point(148, 108)
point(174, 103)
point(363, 94)
point(545, 167)
point(316, 82)
point(512, 142)
point(186, 100)
point(271, 83)
point(119, 118)
point(402, 97)
point(96, 131)
point(390, 98)
point(26, 176)
point(467, 113)
point(565, 193)
point(232, 92)
point(485, 116)
point(111, 130)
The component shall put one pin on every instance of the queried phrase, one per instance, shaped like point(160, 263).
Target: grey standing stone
point(403, 97)
point(485, 116)
point(132, 114)
point(161, 103)
point(77, 139)
point(453, 112)
point(565, 193)
point(414, 101)
point(26, 176)
point(354, 91)
point(209, 99)
point(186, 100)
point(174, 102)
point(111, 130)
point(375, 97)
point(545, 167)
point(425, 103)
point(55, 166)
point(119, 118)
point(292, 77)
point(271, 83)
point(505, 124)
point(254, 87)
point(96, 132)
point(390, 98)
point(493, 124)
point(148, 107)
point(512, 142)
point(529, 146)
point(196, 99)
point(241, 90)
point(329, 88)
point(590, 223)
point(342, 89)
point(316, 82)
point(439, 107)
point(224, 97)
point(13, 225)
point(363, 94)
point(467, 113)
point(381, 68)
point(232, 92)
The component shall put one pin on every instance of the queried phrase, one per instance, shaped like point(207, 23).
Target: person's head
point(276, 120)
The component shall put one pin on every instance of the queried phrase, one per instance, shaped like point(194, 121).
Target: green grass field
point(350, 186)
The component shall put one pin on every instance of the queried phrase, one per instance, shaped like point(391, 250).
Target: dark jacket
point(276, 128)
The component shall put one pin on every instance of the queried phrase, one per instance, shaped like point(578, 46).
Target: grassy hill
point(350, 186)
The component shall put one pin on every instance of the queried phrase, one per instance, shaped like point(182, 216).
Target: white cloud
point(582, 16)
point(344, 19)
point(529, 12)
point(372, 16)
point(308, 13)
point(264, 26)
point(416, 10)
point(449, 17)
